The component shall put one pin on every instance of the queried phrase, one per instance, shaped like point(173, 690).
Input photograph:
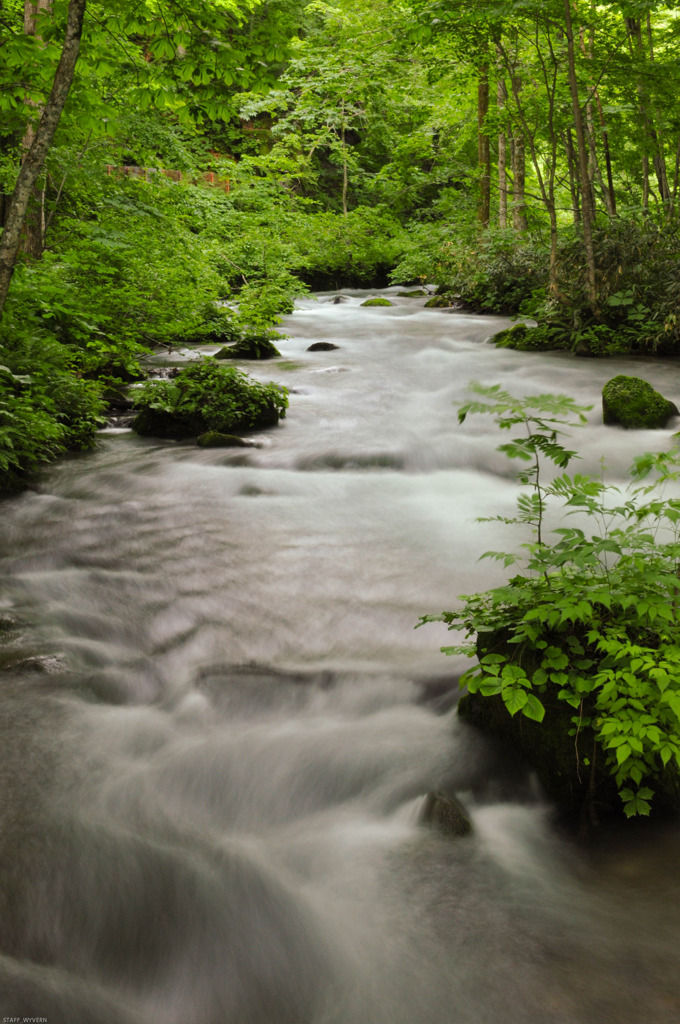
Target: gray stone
point(445, 813)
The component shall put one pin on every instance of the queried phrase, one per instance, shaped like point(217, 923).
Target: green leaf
point(533, 708)
point(623, 753)
point(514, 698)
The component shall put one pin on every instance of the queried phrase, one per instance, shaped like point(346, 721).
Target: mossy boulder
point(250, 346)
point(377, 302)
point(207, 397)
point(634, 404)
point(518, 337)
point(417, 293)
point(443, 300)
point(322, 346)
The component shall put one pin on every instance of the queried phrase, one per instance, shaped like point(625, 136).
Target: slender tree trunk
point(573, 177)
point(552, 274)
point(34, 230)
point(344, 164)
point(645, 186)
point(483, 149)
point(501, 98)
point(660, 154)
point(519, 206)
point(654, 142)
point(44, 134)
point(587, 208)
point(607, 190)
point(609, 194)
point(676, 178)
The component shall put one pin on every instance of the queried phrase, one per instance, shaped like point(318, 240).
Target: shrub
point(490, 273)
point(207, 397)
point(591, 619)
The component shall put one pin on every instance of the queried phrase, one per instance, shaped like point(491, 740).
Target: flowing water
point(218, 723)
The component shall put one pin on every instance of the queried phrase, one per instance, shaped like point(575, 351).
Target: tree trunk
point(655, 143)
point(344, 164)
point(44, 134)
point(34, 231)
point(609, 194)
point(660, 154)
point(519, 206)
point(587, 209)
point(676, 178)
point(483, 148)
point(573, 177)
point(501, 97)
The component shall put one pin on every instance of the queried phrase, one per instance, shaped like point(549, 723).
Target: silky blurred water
point(223, 724)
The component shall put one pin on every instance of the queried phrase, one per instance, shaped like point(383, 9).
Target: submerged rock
point(634, 404)
point(417, 293)
point(571, 768)
point(446, 813)
point(377, 302)
point(322, 346)
point(339, 299)
point(215, 439)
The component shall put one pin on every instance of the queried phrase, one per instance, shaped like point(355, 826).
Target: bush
point(491, 273)
point(591, 620)
point(207, 397)
point(41, 417)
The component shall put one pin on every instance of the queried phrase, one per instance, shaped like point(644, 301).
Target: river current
point(218, 723)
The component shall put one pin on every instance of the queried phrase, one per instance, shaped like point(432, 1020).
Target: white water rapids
point(210, 791)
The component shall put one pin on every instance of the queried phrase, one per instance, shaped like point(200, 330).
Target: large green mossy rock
point(417, 293)
point(633, 403)
point(518, 337)
point(207, 397)
point(250, 346)
point(377, 302)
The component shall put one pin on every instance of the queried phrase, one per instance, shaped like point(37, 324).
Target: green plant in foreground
point(592, 617)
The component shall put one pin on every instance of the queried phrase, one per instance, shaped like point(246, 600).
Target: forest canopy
point(522, 156)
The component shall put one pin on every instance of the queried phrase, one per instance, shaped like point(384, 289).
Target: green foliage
point(592, 617)
point(491, 273)
point(498, 273)
point(207, 397)
point(42, 415)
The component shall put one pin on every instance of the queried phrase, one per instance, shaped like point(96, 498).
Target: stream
point(218, 723)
